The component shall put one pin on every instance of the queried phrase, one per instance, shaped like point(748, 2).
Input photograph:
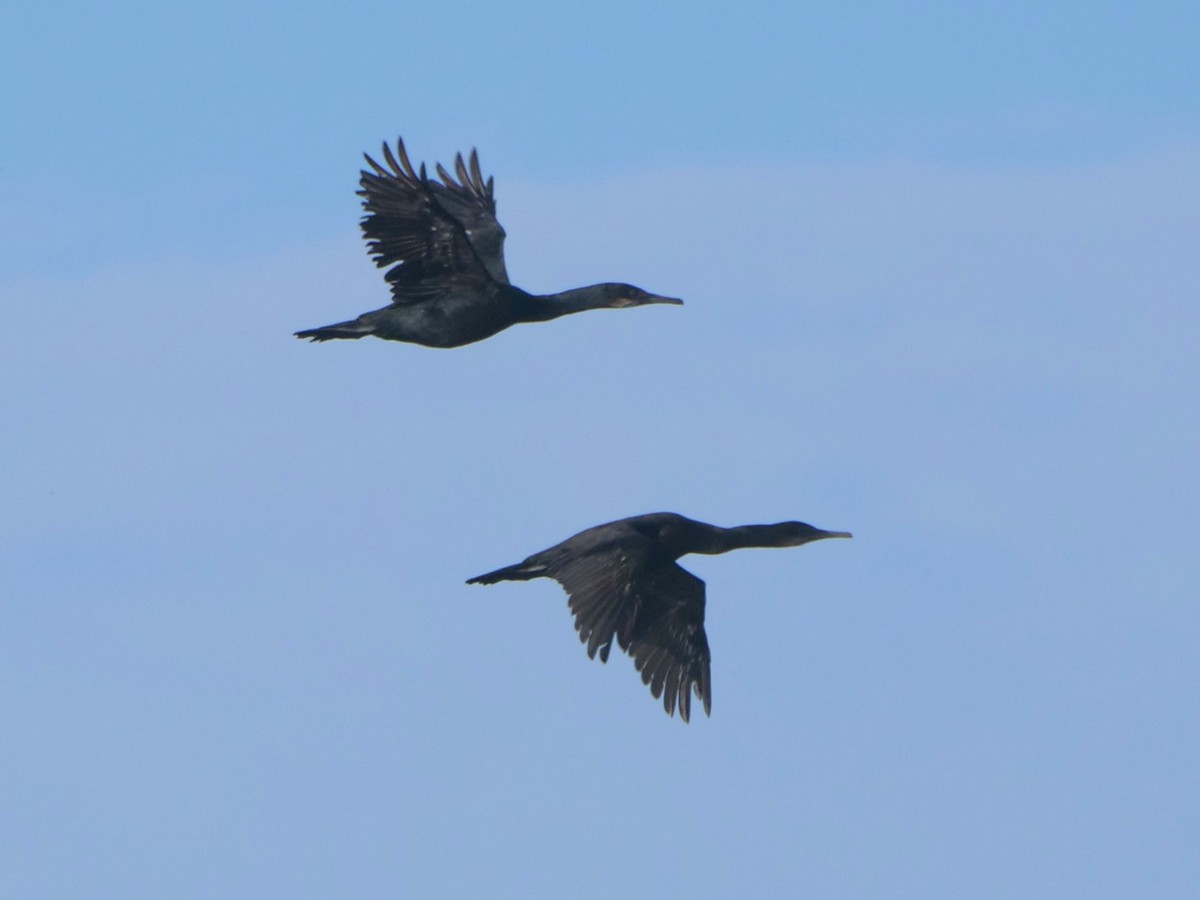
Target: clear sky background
point(942, 289)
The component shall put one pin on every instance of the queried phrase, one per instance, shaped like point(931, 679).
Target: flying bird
point(444, 254)
point(623, 583)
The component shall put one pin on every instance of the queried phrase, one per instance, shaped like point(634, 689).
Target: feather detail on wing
point(652, 608)
point(472, 201)
point(429, 249)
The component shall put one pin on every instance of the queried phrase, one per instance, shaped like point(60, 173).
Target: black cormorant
point(445, 251)
point(623, 582)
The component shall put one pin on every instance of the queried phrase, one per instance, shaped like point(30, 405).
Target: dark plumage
point(444, 254)
point(623, 583)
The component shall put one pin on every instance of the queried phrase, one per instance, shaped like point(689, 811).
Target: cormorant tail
point(522, 571)
point(352, 330)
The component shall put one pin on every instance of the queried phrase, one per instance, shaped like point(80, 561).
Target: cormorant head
point(621, 295)
point(793, 534)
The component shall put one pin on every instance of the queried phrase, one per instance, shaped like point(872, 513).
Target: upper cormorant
point(623, 582)
point(446, 253)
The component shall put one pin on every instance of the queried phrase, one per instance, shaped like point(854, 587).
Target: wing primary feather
point(600, 632)
point(408, 166)
point(656, 683)
point(603, 622)
point(445, 176)
point(476, 174)
point(660, 674)
point(674, 677)
point(648, 664)
point(380, 170)
point(391, 161)
point(668, 700)
point(461, 168)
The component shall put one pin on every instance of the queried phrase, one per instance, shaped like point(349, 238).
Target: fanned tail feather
point(351, 330)
point(523, 571)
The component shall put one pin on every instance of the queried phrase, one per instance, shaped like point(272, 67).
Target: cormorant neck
point(722, 540)
point(551, 306)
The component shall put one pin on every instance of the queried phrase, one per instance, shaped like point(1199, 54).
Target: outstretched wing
point(652, 608)
point(472, 201)
point(670, 647)
point(427, 249)
point(407, 228)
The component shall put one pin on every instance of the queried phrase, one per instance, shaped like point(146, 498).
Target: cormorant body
point(444, 253)
point(623, 583)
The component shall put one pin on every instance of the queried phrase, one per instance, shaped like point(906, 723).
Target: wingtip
point(476, 173)
point(379, 170)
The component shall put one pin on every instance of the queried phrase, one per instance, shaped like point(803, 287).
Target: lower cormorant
point(623, 582)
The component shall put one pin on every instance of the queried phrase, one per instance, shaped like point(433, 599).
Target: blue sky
point(940, 278)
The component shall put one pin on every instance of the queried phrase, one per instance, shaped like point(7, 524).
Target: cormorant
point(622, 581)
point(445, 250)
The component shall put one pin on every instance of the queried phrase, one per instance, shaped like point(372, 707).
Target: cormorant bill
point(445, 250)
point(623, 582)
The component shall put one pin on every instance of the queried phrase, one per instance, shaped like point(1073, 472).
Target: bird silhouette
point(624, 584)
point(444, 253)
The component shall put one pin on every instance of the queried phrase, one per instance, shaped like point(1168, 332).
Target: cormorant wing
point(472, 201)
point(670, 648)
point(655, 609)
point(407, 228)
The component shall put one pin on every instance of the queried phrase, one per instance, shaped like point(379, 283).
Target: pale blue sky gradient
point(941, 284)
